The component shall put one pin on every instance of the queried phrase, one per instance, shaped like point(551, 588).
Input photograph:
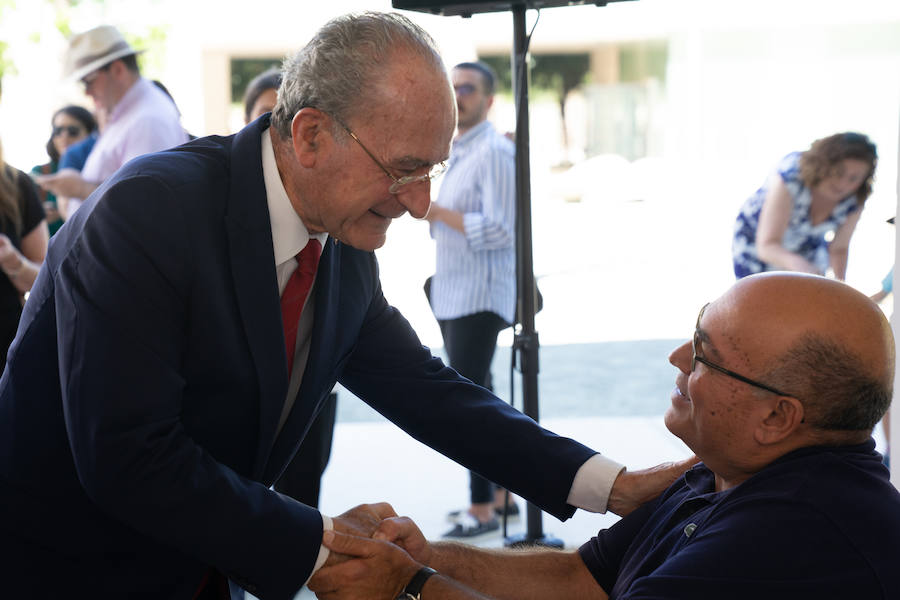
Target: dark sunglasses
point(72, 130)
point(464, 89)
point(695, 346)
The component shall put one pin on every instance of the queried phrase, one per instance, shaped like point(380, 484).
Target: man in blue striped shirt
point(473, 291)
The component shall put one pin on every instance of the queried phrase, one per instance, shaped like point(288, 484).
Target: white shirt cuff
point(593, 483)
point(327, 525)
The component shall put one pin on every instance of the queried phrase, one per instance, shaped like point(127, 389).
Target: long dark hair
point(9, 193)
point(82, 115)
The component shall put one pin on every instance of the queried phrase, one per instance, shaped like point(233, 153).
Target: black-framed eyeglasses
point(72, 130)
point(695, 344)
point(399, 182)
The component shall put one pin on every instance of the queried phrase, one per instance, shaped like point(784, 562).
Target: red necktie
point(294, 295)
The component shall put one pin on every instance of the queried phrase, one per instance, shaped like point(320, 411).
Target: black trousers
point(470, 342)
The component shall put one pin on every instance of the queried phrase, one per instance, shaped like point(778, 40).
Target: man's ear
point(309, 133)
point(116, 69)
point(784, 417)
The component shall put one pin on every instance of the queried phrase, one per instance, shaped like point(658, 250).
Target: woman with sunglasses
point(70, 124)
point(811, 195)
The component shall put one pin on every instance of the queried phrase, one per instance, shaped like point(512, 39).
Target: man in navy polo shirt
point(777, 393)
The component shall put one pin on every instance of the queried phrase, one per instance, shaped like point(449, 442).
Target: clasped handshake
point(374, 554)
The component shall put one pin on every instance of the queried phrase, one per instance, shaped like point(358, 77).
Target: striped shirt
point(476, 271)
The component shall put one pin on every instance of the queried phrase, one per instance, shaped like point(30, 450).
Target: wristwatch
point(413, 589)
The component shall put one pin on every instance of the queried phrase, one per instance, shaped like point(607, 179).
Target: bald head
point(819, 340)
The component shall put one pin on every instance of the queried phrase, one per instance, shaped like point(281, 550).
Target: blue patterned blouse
point(801, 236)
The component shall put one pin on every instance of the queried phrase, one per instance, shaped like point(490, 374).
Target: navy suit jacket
point(139, 408)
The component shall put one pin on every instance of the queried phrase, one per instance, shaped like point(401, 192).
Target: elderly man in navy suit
point(191, 366)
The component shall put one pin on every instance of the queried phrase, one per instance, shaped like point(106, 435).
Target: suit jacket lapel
point(255, 283)
point(319, 364)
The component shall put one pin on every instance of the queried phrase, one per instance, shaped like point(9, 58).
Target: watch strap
point(413, 589)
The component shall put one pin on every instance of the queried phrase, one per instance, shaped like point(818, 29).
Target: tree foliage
point(151, 38)
point(555, 73)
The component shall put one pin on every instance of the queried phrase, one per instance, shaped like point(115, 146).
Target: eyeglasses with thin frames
point(695, 345)
point(398, 183)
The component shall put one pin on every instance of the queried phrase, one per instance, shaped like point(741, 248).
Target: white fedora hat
point(93, 49)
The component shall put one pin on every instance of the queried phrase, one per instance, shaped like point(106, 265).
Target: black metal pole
point(526, 339)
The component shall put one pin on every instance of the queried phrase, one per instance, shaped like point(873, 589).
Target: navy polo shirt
point(820, 522)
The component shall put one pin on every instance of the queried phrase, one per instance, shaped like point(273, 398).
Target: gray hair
point(837, 389)
point(337, 71)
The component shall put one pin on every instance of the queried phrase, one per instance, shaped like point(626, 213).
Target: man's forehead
point(415, 127)
point(466, 75)
point(755, 325)
point(722, 327)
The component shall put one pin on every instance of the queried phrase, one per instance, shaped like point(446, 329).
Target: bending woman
point(783, 226)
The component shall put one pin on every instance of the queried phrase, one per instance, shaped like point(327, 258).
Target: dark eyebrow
point(409, 162)
point(412, 163)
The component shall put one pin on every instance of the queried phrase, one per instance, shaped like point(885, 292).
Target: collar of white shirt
point(289, 234)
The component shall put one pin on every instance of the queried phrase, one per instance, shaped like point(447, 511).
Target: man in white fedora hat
point(140, 118)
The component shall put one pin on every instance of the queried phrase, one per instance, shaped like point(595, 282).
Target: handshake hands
point(374, 555)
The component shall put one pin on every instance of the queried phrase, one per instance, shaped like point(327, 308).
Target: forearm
point(451, 218)
point(86, 188)
point(21, 265)
point(62, 207)
point(538, 574)
point(838, 259)
point(407, 371)
point(68, 183)
point(442, 587)
point(22, 276)
point(777, 255)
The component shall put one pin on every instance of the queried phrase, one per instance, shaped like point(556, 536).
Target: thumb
point(388, 530)
point(394, 529)
point(343, 543)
